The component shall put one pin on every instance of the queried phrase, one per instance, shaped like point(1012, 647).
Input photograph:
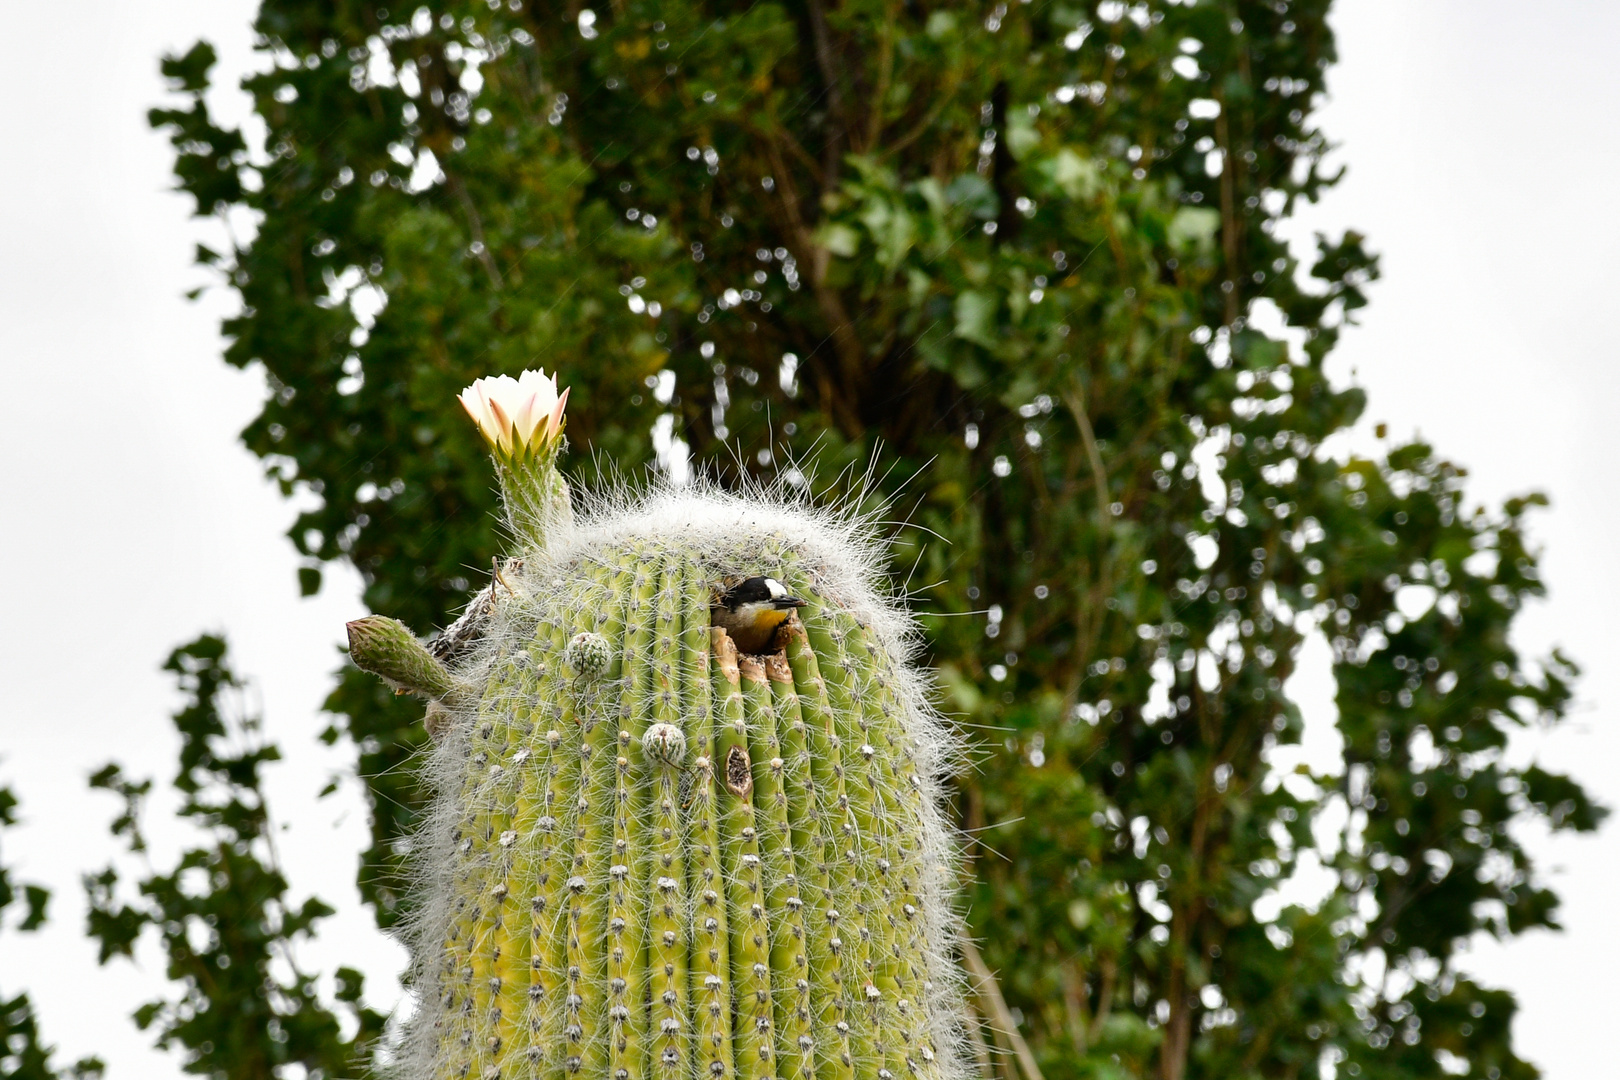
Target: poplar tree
point(1015, 268)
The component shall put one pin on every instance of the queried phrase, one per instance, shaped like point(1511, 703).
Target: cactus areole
point(652, 857)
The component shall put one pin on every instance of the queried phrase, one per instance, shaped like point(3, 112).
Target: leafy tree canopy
point(246, 1009)
point(23, 1053)
point(1021, 255)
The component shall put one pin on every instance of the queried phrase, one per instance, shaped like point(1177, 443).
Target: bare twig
point(475, 225)
point(990, 992)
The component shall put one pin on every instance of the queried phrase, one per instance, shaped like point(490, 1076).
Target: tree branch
point(990, 991)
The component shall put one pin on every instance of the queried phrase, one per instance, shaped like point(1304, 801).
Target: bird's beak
point(788, 603)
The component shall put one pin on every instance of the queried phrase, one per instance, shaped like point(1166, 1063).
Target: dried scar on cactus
point(653, 856)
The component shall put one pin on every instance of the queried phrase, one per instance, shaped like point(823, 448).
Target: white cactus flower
point(517, 416)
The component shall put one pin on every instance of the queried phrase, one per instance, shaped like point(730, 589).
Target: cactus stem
point(660, 860)
point(536, 497)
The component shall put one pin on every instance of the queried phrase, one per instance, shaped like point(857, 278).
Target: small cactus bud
point(589, 655)
point(664, 744)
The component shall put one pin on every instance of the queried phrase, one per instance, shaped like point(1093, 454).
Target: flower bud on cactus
point(664, 744)
point(589, 655)
point(653, 858)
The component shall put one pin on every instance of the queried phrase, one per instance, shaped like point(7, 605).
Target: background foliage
point(244, 1007)
point(1024, 257)
point(23, 1054)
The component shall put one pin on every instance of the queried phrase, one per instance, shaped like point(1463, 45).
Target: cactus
point(653, 858)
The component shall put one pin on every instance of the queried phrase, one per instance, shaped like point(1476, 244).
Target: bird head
point(760, 593)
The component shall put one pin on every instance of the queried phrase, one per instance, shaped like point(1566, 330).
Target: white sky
point(1475, 133)
point(1481, 168)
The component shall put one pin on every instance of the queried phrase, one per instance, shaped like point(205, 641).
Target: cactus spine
point(653, 858)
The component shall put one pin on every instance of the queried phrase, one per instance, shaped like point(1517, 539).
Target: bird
point(754, 612)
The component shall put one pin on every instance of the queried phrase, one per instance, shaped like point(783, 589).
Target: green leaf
point(189, 72)
point(36, 897)
point(1192, 230)
point(841, 240)
point(976, 317)
point(1073, 175)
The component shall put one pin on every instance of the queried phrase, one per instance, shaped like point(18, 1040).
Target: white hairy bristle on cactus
point(688, 864)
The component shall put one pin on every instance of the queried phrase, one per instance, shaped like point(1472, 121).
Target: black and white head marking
point(755, 590)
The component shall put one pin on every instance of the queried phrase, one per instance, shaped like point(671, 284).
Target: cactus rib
point(753, 1042)
point(710, 967)
point(831, 870)
point(790, 969)
point(627, 865)
point(666, 938)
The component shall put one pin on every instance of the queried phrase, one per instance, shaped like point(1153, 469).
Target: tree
point(1019, 256)
point(246, 1009)
point(23, 1054)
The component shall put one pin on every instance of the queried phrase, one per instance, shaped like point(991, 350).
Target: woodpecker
point(754, 612)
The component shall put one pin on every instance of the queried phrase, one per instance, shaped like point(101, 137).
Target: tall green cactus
point(653, 858)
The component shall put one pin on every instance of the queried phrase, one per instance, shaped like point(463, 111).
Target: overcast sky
point(1481, 167)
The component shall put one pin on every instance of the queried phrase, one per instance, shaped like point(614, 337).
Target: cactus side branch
point(387, 648)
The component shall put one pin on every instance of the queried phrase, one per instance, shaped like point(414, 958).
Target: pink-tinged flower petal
point(554, 422)
point(504, 422)
point(523, 417)
point(537, 381)
point(544, 389)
